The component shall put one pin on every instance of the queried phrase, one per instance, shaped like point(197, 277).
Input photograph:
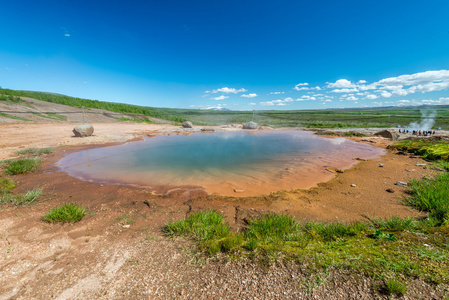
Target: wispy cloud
point(278, 102)
point(249, 95)
point(227, 90)
point(276, 93)
point(222, 97)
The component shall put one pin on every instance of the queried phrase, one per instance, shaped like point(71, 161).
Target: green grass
point(431, 150)
point(394, 223)
point(14, 117)
point(21, 199)
point(432, 196)
point(9, 98)
point(128, 220)
point(22, 166)
point(136, 119)
point(55, 116)
point(396, 287)
point(35, 151)
point(68, 213)
point(208, 229)
point(379, 247)
point(6, 185)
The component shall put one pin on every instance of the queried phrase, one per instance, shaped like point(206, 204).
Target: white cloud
point(301, 86)
point(221, 97)
point(341, 84)
point(276, 93)
point(227, 90)
point(345, 90)
point(249, 95)
point(371, 97)
point(402, 85)
point(306, 98)
point(352, 98)
point(268, 103)
point(252, 103)
point(440, 101)
point(417, 78)
point(385, 94)
point(277, 102)
point(67, 34)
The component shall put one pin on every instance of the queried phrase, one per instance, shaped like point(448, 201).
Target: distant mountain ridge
point(218, 108)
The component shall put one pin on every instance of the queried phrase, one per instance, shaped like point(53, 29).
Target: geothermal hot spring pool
point(226, 163)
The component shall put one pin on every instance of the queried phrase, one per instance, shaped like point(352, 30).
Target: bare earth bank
point(100, 257)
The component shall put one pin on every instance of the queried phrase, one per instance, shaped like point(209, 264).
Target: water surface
point(223, 162)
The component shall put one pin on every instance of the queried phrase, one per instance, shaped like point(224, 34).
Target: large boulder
point(187, 124)
point(250, 125)
point(83, 130)
point(389, 134)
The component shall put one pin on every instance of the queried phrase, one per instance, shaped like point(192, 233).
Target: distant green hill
point(79, 102)
point(319, 118)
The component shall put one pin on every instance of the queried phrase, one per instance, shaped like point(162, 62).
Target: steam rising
point(427, 120)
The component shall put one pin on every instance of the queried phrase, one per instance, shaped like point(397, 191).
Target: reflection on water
point(236, 159)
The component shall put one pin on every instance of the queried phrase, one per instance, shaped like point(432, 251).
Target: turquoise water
point(209, 158)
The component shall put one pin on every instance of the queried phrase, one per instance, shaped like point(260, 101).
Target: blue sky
point(242, 55)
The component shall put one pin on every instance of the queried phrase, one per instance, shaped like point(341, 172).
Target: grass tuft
point(22, 166)
point(22, 199)
point(68, 213)
point(432, 196)
point(272, 228)
point(6, 185)
point(35, 151)
point(394, 223)
point(396, 287)
point(202, 226)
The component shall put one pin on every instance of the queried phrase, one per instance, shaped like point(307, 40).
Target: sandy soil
point(103, 257)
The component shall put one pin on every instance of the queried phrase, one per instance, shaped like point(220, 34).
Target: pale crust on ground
point(100, 257)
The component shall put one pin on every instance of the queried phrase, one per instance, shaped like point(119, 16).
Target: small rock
point(207, 129)
point(250, 125)
point(353, 185)
point(126, 226)
point(420, 165)
point(381, 165)
point(83, 130)
point(187, 124)
point(401, 183)
point(238, 191)
point(390, 190)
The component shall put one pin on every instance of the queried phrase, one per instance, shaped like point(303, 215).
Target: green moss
point(432, 150)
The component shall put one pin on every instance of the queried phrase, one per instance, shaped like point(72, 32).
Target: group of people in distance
point(418, 132)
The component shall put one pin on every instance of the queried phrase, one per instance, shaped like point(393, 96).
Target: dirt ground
point(118, 250)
